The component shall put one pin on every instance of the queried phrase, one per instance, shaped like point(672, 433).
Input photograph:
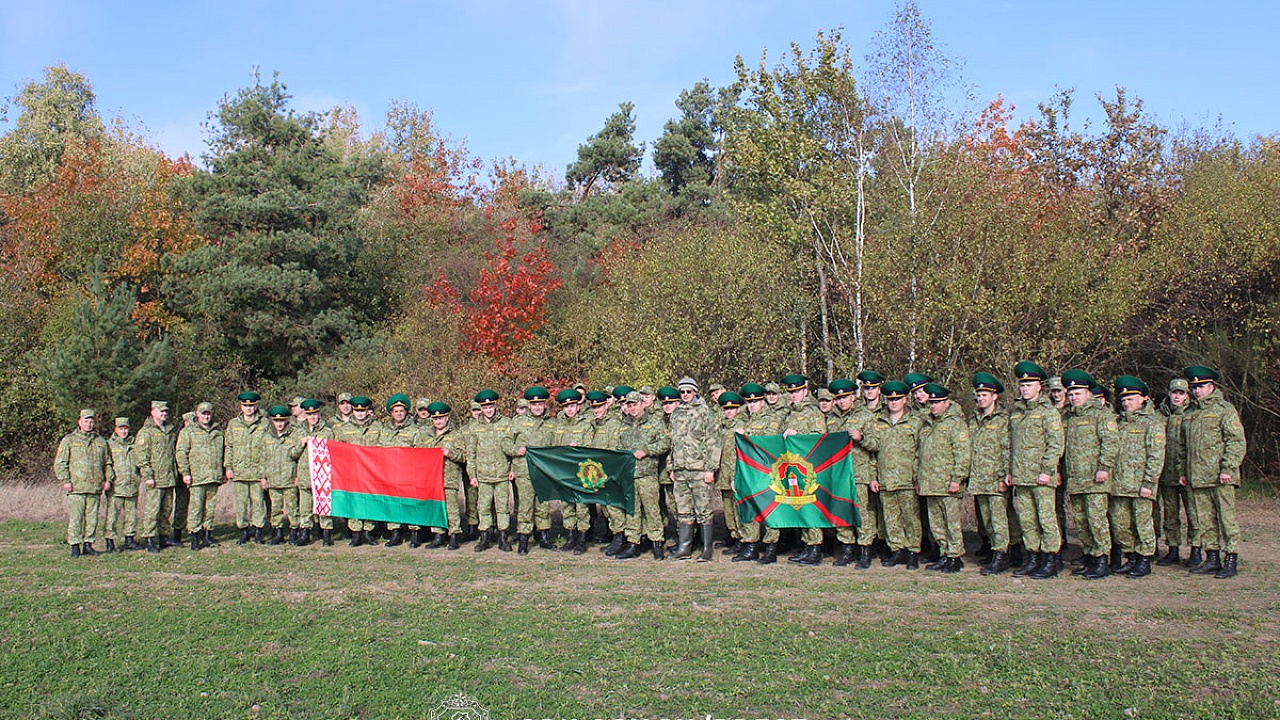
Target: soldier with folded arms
point(82, 464)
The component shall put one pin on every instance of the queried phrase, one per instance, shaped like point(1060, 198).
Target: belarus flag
point(392, 484)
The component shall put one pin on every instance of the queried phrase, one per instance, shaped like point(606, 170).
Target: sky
point(533, 79)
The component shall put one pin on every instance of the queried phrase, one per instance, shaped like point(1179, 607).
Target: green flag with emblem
point(799, 481)
point(583, 475)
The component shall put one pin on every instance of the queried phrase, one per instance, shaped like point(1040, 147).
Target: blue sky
point(532, 79)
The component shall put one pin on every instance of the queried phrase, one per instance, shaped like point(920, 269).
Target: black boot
point(913, 560)
point(170, 540)
point(208, 539)
point(615, 544)
point(357, 539)
point(75, 550)
point(257, 535)
point(732, 548)
point(438, 541)
point(1229, 569)
point(1031, 565)
point(503, 543)
point(659, 549)
point(1130, 559)
point(629, 550)
point(813, 557)
point(953, 565)
point(277, 537)
point(1211, 565)
point(708, 548)
point(522, 544)
point(896, 558)
point(1196, 557)
point(1100, 569)
point(1142, 567)
point(111, 545)
point(130, 543)
point(245, 534)
point(544, 540)
point(769, 555)
point(304, 537)
point(293, 537)
point(999, 563)
point(395, 539)
point(845, 557)
point(1171, 557)
point(87, 550)
point(486, 537)
point(415, 538)
point(750, 551)
point(580, 543)
point(195, 541)
point(984, 551)
point(152, 545)
point(326, 538)
point(1051, 566)
point(1086, 565)
point(864, 558)
point(1117, 558)
point(684, 546)
point(366, 539)
point(938, 565)
point(570, 537)
point(455, 541)
point(1017, 555)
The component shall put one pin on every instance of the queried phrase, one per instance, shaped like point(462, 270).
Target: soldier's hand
point(511, 475)
point(263, 483)
point(1101, 476)
point(1225, 478)
point(855, 434)
point(521, 451)
point(709, 477)
point(66, 487)
point(475, 483)
point(639, 455)
point(1002, 486)
point(186, 480)
point(788, 432)
point(231, 475)
point(953, 488)
point(1043, 479)
point(1182, 480)
point(875, 486)
point(106, 486)
point(151, 483)
point(1145, 492)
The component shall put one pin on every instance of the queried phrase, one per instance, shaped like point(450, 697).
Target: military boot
point(1141, 568)
point(367, 539)
point(570, 537)
point(544, 540)
point(152, 545)
point(244, 536)
point(1229, 566)
point(395, 539)
point(1031, 565)
point(659, 550)
point(415, 538)
point(257, 535)
point(1051, 566)
point(1017, 555)
point(86, 549)
point(357, 539)
point(1086, 565)
point(896, 558)
point(455, 541)
point(953, 565)
point(732, 548)
point(750, 551)
point(684, 546)
point(522, 544)
point(326, 538)
point(708, 548)
point(1100, 569)
point(277, 537)
point(130, 543)
point(1170, 558)
point(208, 539)
point(769, 554)
point(304, 537)
point(1130, 559)
point(176, 539)
point(293, 536)
point(812, 557)
point(580, 543)
point(845, 557)
point(629, 550)
point(938, 565)
point(1117, 558)
point(912, 560)
point(1211, 565)
point(439, 541)
point(504, 544)
point(615, 544)
point(75, 550)
point(195, 541)
point(485, 538)
point(170, 540)
point(1196, 557)
point(998, 564)
point(864, 558)
point(111, 545)
point(984, 551)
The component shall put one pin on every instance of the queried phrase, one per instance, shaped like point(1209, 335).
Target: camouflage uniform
point(369, 435)
point(1091, 438)
point(1035, 445)
point(489, 468)
point(864, 472)
point(728, 468)
point(451, 439)
point(280, 453)
point(989, 435)
point(1175, 497)
point(758, 424)
point(896, 464)
point(695, 451)
point(528, 431)
point(154, 451)
point(943, 459)
point(1139, 460)
point(804, 418)
point(122, 501)
point(83, 461)
point(306, 498)
point(200, 457)
point(575, 431)
point(1215, 445)
point(241, 437)
point(604, 434)
point(649, 435)
point(407, 434)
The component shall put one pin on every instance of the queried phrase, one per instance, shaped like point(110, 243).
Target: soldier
point(826, 402)
point(1091, 437)
point(759, 543)
point(490, 472)
point(344, 409)
point(573, 429)
point(942, 471)
point(648, 397)
point(1215, 447)
point(870, 383)
point(422, 413)
point(533, 429)
point(241, 440)
point(989, 468)
point(1057, 393)
point(200, 455)
point(522, 407)
point(154, 451)
point(299, 415)
point(804, 418)
point(848, 416)
point(314, 426)
point(1035, 447)
point(733, 418)
point(773, 401)
point(919, 396)
point(83, 465)
point(361, 429)
point(1139, 460)
point(122, 500)
point(668, 401)
point(400, 432)
point(280, 450)
point(1175, 496)
point(606, 426)
point(897, 436)
point(695, 456)
point(470, 529)
point(645, 437)
point(442, 434)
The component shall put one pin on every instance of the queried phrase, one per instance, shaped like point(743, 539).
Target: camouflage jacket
point(155, 452)
point(200, 454)
point(1214, 440)
point(407, 434)
point(486, 461)
point(1092, 438)
point(943, 457)
point(322, 430)
point(126, 470)
point(84, 460)
point(1035, 440)
point(1140, 456)
point(453, 441)
point(648, 434)
point(566, 431)
point(729, 448)
point(805, 418)
point(695, 438)
point(989, 462)
point(1175, 448)
point(240, 438)
point(605, 432)
point(898, 444)
point(527, 431)
point(864, 451)
point(369, 434)
point(280, 455)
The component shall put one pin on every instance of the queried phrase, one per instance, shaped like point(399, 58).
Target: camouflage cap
point(714, 387)
point(296, 401)
point(1179, 384)
point(522, 403)
point(123, 422)
point(159, 405)
point(773, 387)
point(825, 394)
point(88, 413)
point(189, 417)
point(422, 404)
point(475, 405)
point(344, 397)
point(632, 397)
point(1054, 383)
point(204, 407)
point(648, 390)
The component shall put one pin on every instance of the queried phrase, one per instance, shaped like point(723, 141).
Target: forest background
point(819, 215)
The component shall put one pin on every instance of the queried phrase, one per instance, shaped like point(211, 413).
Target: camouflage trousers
point(203, 500)
point(994, 520)
point(82, 517)
point(493, 501)
point(751, 532)
point(617, 518)
point(646, 521)
point(1216, 518)
point(181, 505)
point(901, 519)
point(530, 513)
point(122, 517)
point(693, 496)
point(306, 507)
point(1089, 513)
point(1133, 525)
point(1037, 514)
point(575, 516)
point(731, 523)
point(944, 523)
point(472, 502)
point(251, 504)
point(869, 513)
point(157, 512)
point(1174, 500)
point(284, 505)
point(452, 514)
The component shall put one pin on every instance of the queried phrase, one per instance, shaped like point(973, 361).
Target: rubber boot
point(75, 550)
point(659, 549)
point(1211, 565)
point(486, 537)
point(152, 545)
point(769, 555)
point(522, 544)
point(245, 534)
point(277, 537)
point(845, 557)
point(1229, 566)
point(1196, 557)
point(684, 546)
point(629, 550)
point(544, 540)
point(708, 547)
point(1051, 566)
point(999, 563)
point(130, 543)
point(326, 538)
point(615, 544)
point(111, 545)
point(395, 539)
point(1031, 565)
point(1142, 567)
point(864, 558)
point(570, 538)
point(750, 551)
point(455, 541)
point(1170, 558)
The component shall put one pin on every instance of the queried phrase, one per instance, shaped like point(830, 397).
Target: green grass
point(263, 632)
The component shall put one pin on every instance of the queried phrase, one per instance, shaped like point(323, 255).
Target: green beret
point(752, 391)
point(729, 399)
point(568, 396)
point(894, 389)
point(279, 412)
point(1100, 391)
point(1179, 384)
point(1130, 385)
point(310, 404)
point(1027, 371)
point(1199, 375)
point(248, 397)
point(666, 393)
point(915, 381)
point(794, 382)
point(987, 381)
point(438, 409)
point(620, 391)
point(870, 378)
point(1076, 378)
point(842, 387)
point(936, 391)
point(536, 393)
point(398, 399)
point(596, 398)
point(487, 397)
point(360, 402)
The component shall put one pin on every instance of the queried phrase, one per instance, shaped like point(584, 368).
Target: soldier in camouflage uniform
point(1175, 496)
point(280, 449)
point(760, 542)
point(804, 418)
point(241, 440)
point(606, 426)
point(122, 500)
point(441, 434)
point(870, 400)
point(314, 426)
point(1139, 460)
point(401, 431)
point(1035, 447)
point(200, 455)
point(1215, 448)
point(645, 437)
point(943, 463)
point(695, 457)
point(1091, 439)
point(897, 436)
point(732, 419)
point(470, 528)
point(533, 429)
point(422, 413)
point(490, 470)
point(850, 417)
point(572, 428)
point(826, 402)
point(361, 429)
point(774, 403)
point(154, 452)
point(989, 467)
point(668, 399)
point(82, 463)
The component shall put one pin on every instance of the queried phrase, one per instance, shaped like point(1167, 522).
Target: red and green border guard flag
point(803, 481)
point(392, 484)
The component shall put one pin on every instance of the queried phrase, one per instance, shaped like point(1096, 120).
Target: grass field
point(282, 632)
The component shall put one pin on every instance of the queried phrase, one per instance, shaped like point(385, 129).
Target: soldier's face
point(160, 416)
point(248, 409)
point(313, 417)
point(937, 407)
point(669, 406)
point(1078, 396)
point(571, 409)
point(122, 431)
point(984, 399)
point(361, 415)
point(824, 405)
point(86, 424)
point(1202, 390)
point(634, 409)
point(488, 411)
point(647, 401)
point(522, 409)
point(897, 404)
point(755, 406)
point(921, 395)
point(599, 410)
point(399, 413)
point(1029, 389)
point(537, 408)
point(1056, 396)
point(1133, 403)
point(344, 407)
point(771, 398)
point(844, 402)
point(1177, 397)
point(732, 412)
point(475, 413)
point(439, 423)
point(422, 413)
point(871, 393)
point(279, 424)
point(797, 396)
point(204, 418)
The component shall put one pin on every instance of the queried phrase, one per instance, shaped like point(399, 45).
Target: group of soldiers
point(1060, 446)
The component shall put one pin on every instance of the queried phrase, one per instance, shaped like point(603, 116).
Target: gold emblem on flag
point(592, 475)
point(791, 478)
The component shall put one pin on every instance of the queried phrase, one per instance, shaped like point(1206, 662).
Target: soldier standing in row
point(942, 471)
point(200, 455)
point(532, 429)
point(989, 469)
point(1090, 437)
point(859, 422)
point(1175, 496)
point(280, 452)
point(645, 437)
point(804, 418)
point(400, 432)
point(1215, 449)
point(361, 429)
point(1139, 460)
point(442, 434)
point(154, 450)
point(1035, 447)
point(313, 426)
point(897, 436)
point(122, 501)
point(490, 472)
point(83, 465)
point(695, 456)
point(733, 418)
point(241, 439)
point(760, 542)
point(573, 429)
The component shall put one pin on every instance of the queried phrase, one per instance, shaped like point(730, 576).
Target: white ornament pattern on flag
point(321, 474)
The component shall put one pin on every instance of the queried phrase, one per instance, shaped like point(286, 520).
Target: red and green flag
point(583, 475)
point(803, 481)
point(392, 484)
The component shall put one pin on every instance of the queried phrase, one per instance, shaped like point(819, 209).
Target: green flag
point(583, 475)
point(801, 481)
